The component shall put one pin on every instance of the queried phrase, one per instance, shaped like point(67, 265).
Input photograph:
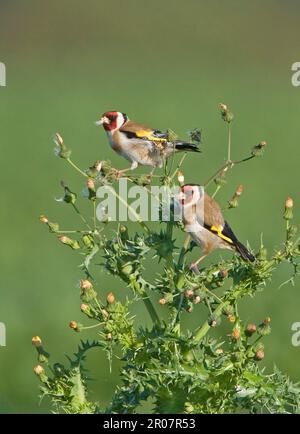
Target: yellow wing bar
point(218, 230)
point(149, 136)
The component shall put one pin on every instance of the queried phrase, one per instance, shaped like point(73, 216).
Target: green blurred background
point(167, 64)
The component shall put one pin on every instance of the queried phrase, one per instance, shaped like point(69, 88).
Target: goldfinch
point(139, 144)
point(203, 219)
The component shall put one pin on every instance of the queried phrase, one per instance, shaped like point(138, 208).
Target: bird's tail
point(184, 146)
point(244, 252)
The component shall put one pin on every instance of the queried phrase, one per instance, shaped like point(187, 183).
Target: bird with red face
point(139, 144)
point(203, 220)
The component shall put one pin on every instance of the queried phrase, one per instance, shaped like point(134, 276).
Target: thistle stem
point(183, 251)
point(150, 308)
point(93, 326)
point(201, 331)
point(229, 143)
point(216, 191)
point(94, 215)
point(74, 232)
point(82, 217)
point(133, 212)
point(179, 165)
point(147, 302)
point(76, 167)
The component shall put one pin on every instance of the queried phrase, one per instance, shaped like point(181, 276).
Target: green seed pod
point(262, 253)
point(127, 269)
point(43, 356)
point(53, 227)
point(88, 241)
point(288, 209)
point(70, 197)
point(74, 244)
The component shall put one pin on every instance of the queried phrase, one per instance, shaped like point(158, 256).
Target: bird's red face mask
point(187, 194)
point(108, 120)
point(112, 120)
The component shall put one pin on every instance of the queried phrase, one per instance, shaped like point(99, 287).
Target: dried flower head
point(60, 149)
point(289, 203)
point(110, 298)
point(197, 299)
point(85, 308)
point(250, 329)
point(231, 318)
point(258, 149)
point(39, 370)
point(43, 219)
point(105, 314)
point(259, 355)
point(223, 107)
point(288, 209)
point(180, 177)
point(236, 334)
point(74, 244)
point(85, 284)
point(98, 165)
point(189, 293)
point(36, 341)
point(73, 325)
point(58, 139)
point(63, 239)
point(223, 273)
point(90, 184)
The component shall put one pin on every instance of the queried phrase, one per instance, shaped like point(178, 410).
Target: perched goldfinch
point(139, 144)
point(203, 220)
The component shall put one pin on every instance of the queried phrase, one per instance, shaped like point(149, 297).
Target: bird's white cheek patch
point(119, 121)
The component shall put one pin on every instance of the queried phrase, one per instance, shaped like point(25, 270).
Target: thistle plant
point(175, 369)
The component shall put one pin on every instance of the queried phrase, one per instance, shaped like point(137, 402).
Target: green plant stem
point(82, 217)
point(93, 326)
point(74, 232)
point(229, 143)
point(183, 251)
point(76, 167)
point(209, 292)
point(94, 215)
point(150, 308)
point(201, 331)
point(133, 212)
point(179, 165)
point(225, 166)
point(287, 228)
point(146, 299)
point(169, 232)
point(243, 160)
point(216, 191)
point(179, 283)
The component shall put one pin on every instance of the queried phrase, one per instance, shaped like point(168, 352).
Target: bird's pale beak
point(103, 120)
